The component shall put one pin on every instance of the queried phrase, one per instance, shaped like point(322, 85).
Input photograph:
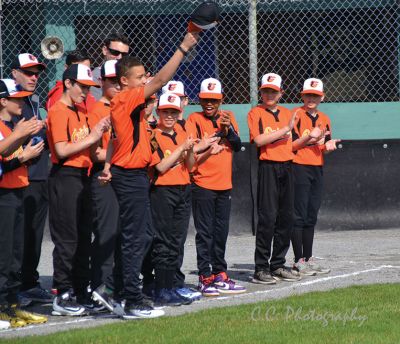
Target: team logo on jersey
point(211, 86)
point(314, 84)
point(79, 134)
point(271, 78)
point(171, 87)
point(306, 133)
point(167, 153)
point(268, 130)
point(171, 99)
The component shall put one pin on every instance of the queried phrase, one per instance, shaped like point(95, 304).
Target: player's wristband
point(184, 52)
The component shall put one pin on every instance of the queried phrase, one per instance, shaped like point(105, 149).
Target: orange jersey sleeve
point(98, 112)
point(17, 178)
point(261, 121)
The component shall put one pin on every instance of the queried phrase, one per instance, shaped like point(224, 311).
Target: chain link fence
point(352, 45)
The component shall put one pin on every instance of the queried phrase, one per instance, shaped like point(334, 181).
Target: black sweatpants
point(36, 203)
point(105, 229)
point(131, 187)
point(70, 220)
point(275, 214)
point(211, 211)
point(171, 214)
point(11, 244)
point(308, 184)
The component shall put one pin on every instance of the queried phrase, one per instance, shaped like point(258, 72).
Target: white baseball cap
point(26, 60)
point(175, 87)
point(210, 89)
point(81, 74)
point(313, 86)
point(9, 89)
point(108, 69)
point(271, 80)
point(169, 101)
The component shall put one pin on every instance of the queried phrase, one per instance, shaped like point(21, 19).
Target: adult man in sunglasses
point(115, 47)
point(25, 71)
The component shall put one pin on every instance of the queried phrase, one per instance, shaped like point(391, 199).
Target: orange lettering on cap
point(314, 84)
point(171, 87)
point(271, 78)
point(171, 99)
point(211, 86)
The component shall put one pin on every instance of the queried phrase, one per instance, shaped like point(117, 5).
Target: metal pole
point(253, 53)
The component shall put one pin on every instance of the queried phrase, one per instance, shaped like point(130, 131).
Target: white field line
point(205, 300)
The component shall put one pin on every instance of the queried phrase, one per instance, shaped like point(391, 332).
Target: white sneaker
point(141, 310)
point(303, 268)
point(312, 264)
point(4, 325)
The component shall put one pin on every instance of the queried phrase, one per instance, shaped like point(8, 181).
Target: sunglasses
point(29, 72)
point(114, 52)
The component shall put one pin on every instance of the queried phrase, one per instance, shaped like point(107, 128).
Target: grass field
point(359, 314)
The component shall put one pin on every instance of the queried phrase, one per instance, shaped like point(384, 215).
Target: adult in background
point(115, 47)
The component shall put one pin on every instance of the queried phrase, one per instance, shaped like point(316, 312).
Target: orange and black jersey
point(98, 112)
point(264, 121)
point(216, 172)
point(131, 144)
point(311, 154)
point(178, 174)
point(18, 177)
point(67, 124)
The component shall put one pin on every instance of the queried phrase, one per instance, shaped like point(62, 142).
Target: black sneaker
point(263, 277)
point(65, 304)
point(285, 274)
point(141, 310)
point(37, 294)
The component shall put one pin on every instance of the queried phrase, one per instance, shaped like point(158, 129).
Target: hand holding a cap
point(189, 41)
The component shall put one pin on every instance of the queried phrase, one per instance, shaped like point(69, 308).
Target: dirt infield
point(356, 257)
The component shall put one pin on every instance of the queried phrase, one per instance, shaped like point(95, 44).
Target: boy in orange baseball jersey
point(311, 140)
point(211, 189)
point(270, 129)
point(70, 139)
point(13, 183)
point(170, 197)
point(130, 159)
point(177, 87)
point(105, 204)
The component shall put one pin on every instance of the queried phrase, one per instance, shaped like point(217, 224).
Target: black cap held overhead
point(206, 16)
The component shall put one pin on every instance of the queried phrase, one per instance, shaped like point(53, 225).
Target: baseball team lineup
point(127, 173)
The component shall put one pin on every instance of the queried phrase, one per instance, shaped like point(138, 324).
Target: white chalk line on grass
point(204, 300)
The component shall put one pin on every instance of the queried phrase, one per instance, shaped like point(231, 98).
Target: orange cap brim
point(274, 87)
point(319, 93)
point(173, 107)
point(20, 94)
point(88, 83)
point(34, 64)
point(205, 95)
point(193, 27)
